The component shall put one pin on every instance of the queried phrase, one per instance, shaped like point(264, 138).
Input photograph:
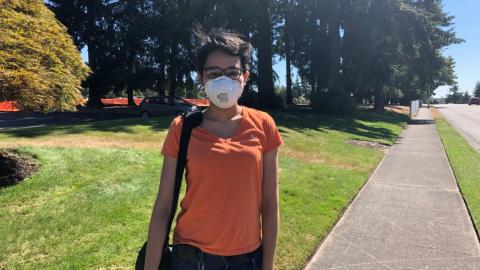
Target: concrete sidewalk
point(410, 214)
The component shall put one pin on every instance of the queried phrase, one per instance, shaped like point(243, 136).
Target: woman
point(229, 215)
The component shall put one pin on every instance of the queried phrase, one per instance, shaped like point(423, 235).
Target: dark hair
point(219, 39)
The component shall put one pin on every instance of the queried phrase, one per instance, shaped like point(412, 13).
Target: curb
point(456, 182)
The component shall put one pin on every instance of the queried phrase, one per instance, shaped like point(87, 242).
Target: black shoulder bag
point(190, 121)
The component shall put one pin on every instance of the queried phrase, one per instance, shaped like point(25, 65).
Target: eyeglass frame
point(222, 71)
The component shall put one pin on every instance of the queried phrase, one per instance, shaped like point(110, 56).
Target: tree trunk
point(359, 84)
point(93, 89)
point(172, 75)
point(289, 94)
point(130, 86)
point(379, 105)
point(161, 81)
point(172, 69)
point(334, 55)
point(132, 49)
point(265, 72)
point(248, 85)
point(180, 83)
point(319, 54)
point(313, 83)
point(131, 101)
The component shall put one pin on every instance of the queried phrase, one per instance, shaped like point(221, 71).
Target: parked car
point(474, 100)
point(162, 105)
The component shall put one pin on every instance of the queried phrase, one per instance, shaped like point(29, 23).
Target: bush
point(332, 102)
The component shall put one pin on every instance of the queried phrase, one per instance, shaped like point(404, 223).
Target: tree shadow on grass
point(298, 120)
point(360, 124)
point(156, 124)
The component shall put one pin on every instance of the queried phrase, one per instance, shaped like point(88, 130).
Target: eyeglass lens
point(232, 73)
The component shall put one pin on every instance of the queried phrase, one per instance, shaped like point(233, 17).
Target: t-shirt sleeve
point(172, 140)
point(273, 138)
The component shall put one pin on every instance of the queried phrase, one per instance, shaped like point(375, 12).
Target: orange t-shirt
point(220, 213)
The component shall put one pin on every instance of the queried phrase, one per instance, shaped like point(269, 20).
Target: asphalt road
point(466, 119)
point(26, 120)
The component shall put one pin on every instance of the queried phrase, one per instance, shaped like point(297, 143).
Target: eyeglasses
point(215, 72)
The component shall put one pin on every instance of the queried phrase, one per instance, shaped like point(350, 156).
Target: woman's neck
point(222, 115)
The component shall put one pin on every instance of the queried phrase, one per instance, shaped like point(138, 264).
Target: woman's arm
point(270, 213)
point(160, 214)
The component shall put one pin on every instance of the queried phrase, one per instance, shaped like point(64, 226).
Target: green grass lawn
point(89, 204)
point(465, 162)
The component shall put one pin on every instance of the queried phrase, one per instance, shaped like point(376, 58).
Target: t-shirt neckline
point(235, 134)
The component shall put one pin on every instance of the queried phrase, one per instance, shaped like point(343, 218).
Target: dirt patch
point(398, 109)
point(436, 114)
point(368, 144)
point(85, 141)
point(15, 167)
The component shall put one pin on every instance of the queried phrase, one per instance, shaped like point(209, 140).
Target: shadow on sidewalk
point(421, 122)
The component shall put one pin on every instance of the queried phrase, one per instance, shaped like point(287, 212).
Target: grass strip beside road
point(465, 162)
point(89, 204)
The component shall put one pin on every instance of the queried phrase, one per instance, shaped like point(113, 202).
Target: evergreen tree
point(93, 25)
point(476, 91)
point(454, 95)
point(387, 49)
point(465, 98)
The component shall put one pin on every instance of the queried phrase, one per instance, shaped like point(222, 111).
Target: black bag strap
point(190, 121)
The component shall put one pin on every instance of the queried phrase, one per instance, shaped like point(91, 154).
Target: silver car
point(163, 105)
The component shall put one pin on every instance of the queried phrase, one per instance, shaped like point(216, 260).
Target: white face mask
point(223, 91)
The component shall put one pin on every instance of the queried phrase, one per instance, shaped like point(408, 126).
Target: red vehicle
point(474, 100)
